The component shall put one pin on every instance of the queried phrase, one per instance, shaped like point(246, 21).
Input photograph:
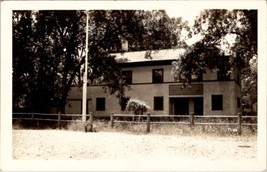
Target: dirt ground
point(62, 145)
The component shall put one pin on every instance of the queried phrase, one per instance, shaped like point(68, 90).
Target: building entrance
point(198, 106)
point(183, 106)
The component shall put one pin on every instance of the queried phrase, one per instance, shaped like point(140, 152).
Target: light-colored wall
point(212, 75)
point(74, 106)
point(143, 89)
point(145, 92)
point(144, 74)
point(229, 91)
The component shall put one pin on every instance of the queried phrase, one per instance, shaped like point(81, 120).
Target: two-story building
point(151, 81)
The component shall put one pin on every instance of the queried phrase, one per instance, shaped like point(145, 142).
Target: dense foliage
point(229, 40)
point(49, 51)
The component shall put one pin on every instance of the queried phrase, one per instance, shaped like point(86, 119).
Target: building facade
point(150, 79)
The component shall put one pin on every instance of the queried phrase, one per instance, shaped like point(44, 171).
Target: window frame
point(158, 100)
point(156, 79)
point(216, 102)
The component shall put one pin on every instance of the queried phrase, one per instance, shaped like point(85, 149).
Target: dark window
point(223, 75)
point(217, 102)
point(157, 75)
point(238, 102)
point(128, 76)
point(158, 103)
point(197, 78)
point(100, 104)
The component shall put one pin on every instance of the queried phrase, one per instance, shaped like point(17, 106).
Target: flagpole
point(84, 100)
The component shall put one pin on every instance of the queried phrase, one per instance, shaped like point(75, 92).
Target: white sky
point(185, 13)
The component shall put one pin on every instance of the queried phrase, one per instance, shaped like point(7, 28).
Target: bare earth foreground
point(62, 144)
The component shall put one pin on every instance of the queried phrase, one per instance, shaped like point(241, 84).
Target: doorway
point(181, 106)
point(198, 106)
point(185, 105)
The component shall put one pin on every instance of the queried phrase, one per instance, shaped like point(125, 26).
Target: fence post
point(91, 122)
point(32, 116)
point(84, 126)
point(37, 121)
point(148, 123)
point(239, 121)
point(34, 121)
point(191, 119)
point(59, 120)
point(112, 120)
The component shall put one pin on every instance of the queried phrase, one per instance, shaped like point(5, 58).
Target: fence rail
point(191, 119)
point(59, 118)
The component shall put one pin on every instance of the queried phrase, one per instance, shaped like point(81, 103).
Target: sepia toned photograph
point(125, 85)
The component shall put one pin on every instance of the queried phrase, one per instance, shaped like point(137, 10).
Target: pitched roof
point(147, 56)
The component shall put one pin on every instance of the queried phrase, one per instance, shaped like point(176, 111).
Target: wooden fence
point(147, 119)
point(190, 120)
point(56, 118)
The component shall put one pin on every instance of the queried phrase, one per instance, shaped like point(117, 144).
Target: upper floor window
point(157, 75)
point(197, 78)
point(223, 75)
point(128, 76)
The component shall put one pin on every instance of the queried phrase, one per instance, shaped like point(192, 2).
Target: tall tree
point(226, 33)
point(23, 58)
point(52, 57)
point(48, 50)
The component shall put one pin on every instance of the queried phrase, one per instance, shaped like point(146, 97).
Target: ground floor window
point(216, 102)
point(158, 103)
point(100, 104)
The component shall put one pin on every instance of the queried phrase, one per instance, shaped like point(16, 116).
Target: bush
point(137, 106)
